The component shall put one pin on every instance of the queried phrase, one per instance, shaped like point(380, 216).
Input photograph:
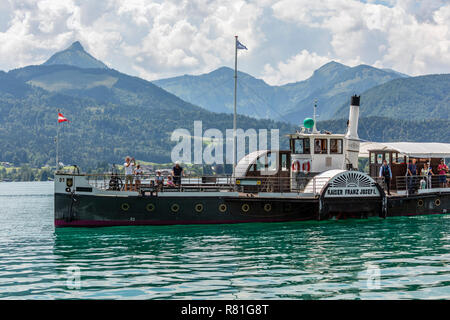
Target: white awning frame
point(410, 149)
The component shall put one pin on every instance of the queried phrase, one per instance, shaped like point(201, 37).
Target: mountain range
point(331, 85)
point(113, 114)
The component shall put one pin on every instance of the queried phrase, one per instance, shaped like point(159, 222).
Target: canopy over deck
point(243, 164)
point(410, 149)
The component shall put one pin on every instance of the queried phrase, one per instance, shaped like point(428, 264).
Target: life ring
point(437, 202)
point(420, 203)
point(222, 207)
point(306, 166)
point(150, 207)
point(198, 207)
point(175, 208)
point(125, 206)
point(245, 207)
point(267, 207)
point(295, 165)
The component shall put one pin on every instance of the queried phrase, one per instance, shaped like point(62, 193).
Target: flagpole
point(57, 141)
point(234, 117)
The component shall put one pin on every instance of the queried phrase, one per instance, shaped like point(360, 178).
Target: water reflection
point(299, 260)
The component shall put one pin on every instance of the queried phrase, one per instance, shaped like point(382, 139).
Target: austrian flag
point(61, 118)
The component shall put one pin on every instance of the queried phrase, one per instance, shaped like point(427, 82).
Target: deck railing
point(147, 182)
point(411, 184)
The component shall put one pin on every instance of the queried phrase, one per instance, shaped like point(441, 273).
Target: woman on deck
point(159, 180)
point(442, 171)
point(138, 174)
point(170, 183)
point(427, 172)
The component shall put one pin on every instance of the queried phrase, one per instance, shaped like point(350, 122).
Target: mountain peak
point(332, 65)
point(76, 46)
point(76, 56)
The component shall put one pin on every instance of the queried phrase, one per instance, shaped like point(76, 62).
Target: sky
point(287, 39)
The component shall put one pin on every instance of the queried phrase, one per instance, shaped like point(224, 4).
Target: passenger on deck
point(129, 164)
point(385, 171)
point(159, 180)
point(170, 183)
point(427, 172)
point(411, 172)
point(318, 146)
point(138, 174)
point(442, 171)
point(177, 172)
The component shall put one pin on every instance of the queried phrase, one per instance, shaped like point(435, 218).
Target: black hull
point(424, 204)
point(86, 211)
point(95, 211)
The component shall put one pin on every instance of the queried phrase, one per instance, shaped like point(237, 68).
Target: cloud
point(409, 37)
point(155, 39)
point(163, 38)
point(298, 67)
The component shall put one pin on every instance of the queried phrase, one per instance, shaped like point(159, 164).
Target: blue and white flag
point(240, 45)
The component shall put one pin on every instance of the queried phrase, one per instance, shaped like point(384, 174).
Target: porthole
point(175, 207)
point(245, 207)
point(125, 206)
point(420, 203)
point(267, 207)
point(150, 207)
point(437, 202)
point(222, 207)
point(199, 207)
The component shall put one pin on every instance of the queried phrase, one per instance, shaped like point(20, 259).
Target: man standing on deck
point(411, 171)
point(177, 171)
point(129, 164)
point(385, 171)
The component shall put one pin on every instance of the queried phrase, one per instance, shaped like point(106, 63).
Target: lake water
point(396, 258)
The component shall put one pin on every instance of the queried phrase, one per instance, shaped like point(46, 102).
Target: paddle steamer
point(316, 179)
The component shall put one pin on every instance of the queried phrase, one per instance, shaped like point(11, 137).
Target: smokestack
point(352, 132)
point(351, 138)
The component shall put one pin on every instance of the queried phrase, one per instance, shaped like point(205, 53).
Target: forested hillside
point(414, 98)
point(113, 115)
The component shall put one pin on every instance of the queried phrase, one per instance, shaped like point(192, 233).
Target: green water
point(306, 260)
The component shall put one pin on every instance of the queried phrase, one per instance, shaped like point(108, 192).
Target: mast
point(314, 130)
point(57, 142)
point(234, 116)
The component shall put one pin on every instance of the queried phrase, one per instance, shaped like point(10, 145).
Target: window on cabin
point(336, 146)
point(320, 146)
point(301, 146)
point(270, 161)
point(267, 162)
point(379, 158)
point(284, 164)
point(260, 163)
point(394, 157)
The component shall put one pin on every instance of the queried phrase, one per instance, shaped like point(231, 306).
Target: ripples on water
point(300, 260)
